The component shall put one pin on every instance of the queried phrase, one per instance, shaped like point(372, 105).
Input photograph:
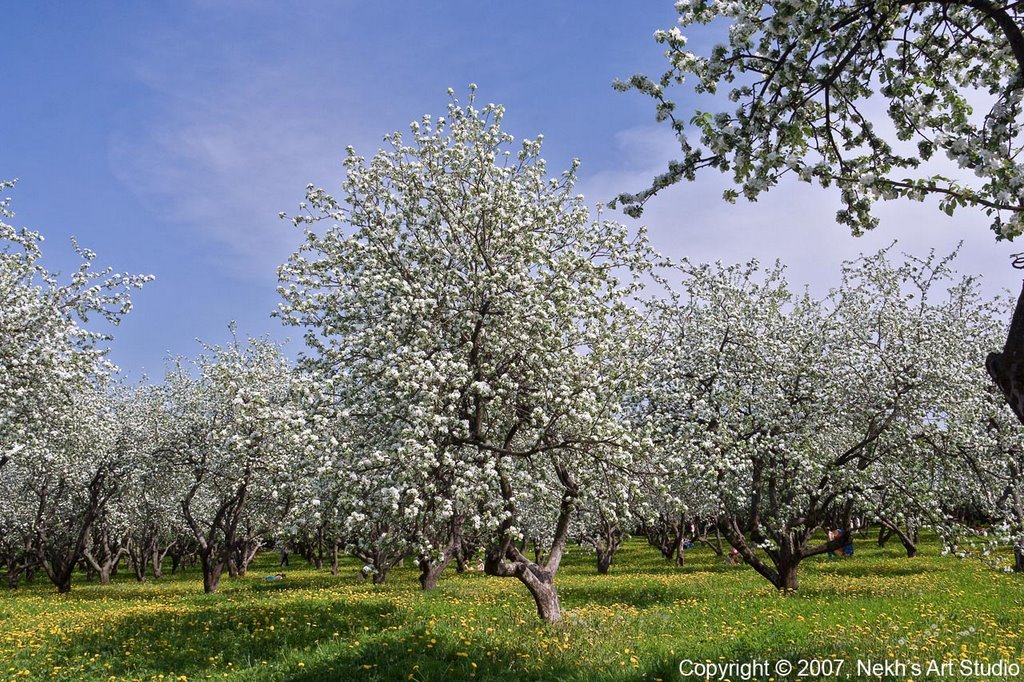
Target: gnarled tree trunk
point(431, 569)
point(785, 556)
point(103, 562)
point(506, 560)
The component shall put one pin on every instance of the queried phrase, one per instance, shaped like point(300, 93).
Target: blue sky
point(168, 136)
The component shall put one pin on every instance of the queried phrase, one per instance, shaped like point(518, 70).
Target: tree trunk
point(604, 561)
point(787, 576)
point(908, 539)
point(785, 559)
point(140, 559)
point(59, 570)
point(246, 553)
point(104, 565)
point(212, 570)
point(319, 563)
point(883, 535)
point(156, 558)
point(542, 587)
point(678, 537)
point(63, 583)
point(334, 559)
point(464, 556)
point(16, 567)
point(430, 571)
point(715, 546)
point(505, 560)
point(1006, 368)
point(548, 608)
point(909, 546)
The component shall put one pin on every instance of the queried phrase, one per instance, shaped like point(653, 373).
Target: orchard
point(518, 428)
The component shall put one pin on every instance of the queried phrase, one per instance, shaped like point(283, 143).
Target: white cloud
point(228, 166)
point(793, 222)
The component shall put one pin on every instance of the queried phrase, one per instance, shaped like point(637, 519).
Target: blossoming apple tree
point(794, 412)
point(473, 319)
point(234, 423)
point(59, 457)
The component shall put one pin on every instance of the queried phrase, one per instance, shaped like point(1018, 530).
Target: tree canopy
point(495, 369)
point(810, 81)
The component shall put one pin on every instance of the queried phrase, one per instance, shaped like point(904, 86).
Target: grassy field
point(635, 624)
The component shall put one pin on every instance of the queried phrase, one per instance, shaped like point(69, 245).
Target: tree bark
point(542, 588)
point(788, 576)
point(785, 558)
point(63, 583)
point(139, 556)
point(716, 545)
point(907, 538)
point(105, 564)
point(539, 581)
point(430, 570)
point(212, 570)
point(884, 533)
point(605, 539)
point(157, 558)
point(1007, 368)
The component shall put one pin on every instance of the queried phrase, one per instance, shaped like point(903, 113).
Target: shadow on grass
point(669, 568)
point(420, 655)
point(185, 585)
point(232, 635)
point(636, 593)
point(339, 641)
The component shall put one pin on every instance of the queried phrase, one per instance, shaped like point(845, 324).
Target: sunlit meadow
point(635, 624)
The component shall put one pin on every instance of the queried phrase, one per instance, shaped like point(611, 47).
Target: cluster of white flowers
point(805, 73)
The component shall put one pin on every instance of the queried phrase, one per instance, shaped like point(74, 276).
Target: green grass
point(633, 624)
